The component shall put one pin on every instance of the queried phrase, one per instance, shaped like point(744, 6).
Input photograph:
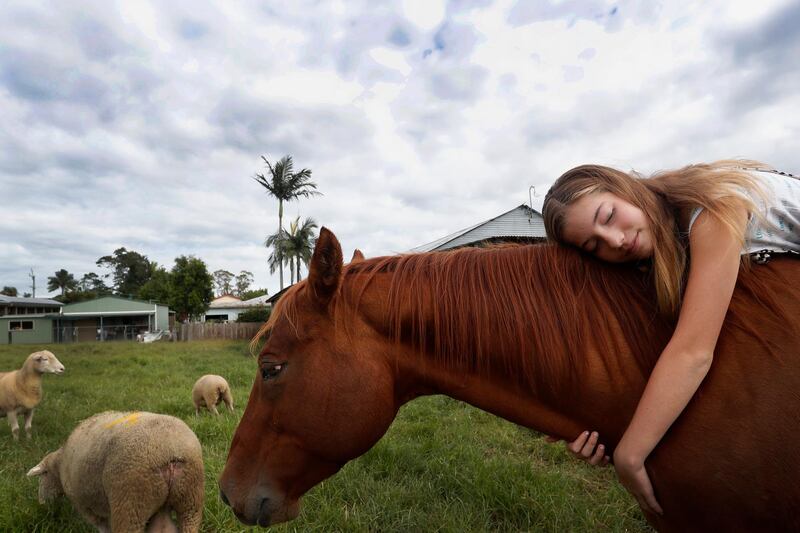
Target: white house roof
point(520, 222)
point(27, 301)
point(232, 302)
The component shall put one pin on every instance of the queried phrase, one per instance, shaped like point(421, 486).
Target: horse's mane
point(531, 311)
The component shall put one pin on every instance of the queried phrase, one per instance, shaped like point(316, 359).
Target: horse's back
point(736, 441)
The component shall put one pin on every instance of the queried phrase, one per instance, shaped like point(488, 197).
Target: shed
point(110, 318)
point(27, 320)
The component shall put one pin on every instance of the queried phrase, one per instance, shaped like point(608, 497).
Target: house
point(521, 224)
point(111, 318)
point(226, 308)
point(27, 320)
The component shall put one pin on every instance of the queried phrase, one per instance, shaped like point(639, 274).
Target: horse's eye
point(271, 371)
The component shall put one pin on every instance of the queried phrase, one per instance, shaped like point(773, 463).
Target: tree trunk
point(280, 230)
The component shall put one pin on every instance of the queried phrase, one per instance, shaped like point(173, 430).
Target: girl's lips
point(635, 245)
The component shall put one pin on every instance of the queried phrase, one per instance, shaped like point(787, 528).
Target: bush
point(257, 314)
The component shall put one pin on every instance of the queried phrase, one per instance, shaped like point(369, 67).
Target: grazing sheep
point(21, 390)
point(209, 391)
point(128, 471)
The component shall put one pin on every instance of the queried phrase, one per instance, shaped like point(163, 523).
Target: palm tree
point(285, 185)
point(300, 242)
point(277, 242)
point(62, 280)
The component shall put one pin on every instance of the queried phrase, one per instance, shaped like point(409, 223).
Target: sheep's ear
point(37, 470)
point(357, 256)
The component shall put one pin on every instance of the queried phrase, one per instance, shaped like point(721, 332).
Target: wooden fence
point(215, 330)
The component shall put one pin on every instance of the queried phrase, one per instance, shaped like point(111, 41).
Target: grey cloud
point(255, 126)
point(97, 40)
point(458, 83)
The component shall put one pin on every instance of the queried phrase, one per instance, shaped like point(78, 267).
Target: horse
point(540, 335)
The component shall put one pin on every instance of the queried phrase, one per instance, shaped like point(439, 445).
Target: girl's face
point(609, 228)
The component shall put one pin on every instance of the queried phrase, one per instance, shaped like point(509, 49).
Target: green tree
point(285, 185)
point(253, 293)
point(191, 287)
point(276, 259)
point(91, 282)
point(243, 281)
point(256, 314)
point(9, 291)
point(157, 288)
point(129, 270)
point(223, 280)
point(62, 280)
point(299, 244)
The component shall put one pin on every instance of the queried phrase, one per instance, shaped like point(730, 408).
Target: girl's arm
point(715, 258)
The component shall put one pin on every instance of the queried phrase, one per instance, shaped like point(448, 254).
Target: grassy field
point(443, 466)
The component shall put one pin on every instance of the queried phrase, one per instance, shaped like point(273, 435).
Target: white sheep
point(209, 391)
point(21, 390)
point(127, 471)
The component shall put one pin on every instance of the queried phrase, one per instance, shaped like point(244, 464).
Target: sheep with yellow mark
point(127, 472)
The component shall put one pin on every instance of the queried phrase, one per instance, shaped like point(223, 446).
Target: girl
point(712, 213)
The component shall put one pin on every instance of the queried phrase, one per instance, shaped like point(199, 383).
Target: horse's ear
point(357, 256)
point(326, 267)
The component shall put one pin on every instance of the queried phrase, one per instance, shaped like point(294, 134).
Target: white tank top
point(782, 211)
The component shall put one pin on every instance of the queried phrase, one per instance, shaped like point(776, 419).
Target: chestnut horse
point(538, 335)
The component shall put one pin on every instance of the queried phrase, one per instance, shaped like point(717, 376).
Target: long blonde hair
point(717, 187)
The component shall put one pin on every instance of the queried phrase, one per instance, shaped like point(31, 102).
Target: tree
point(91, 282)
point(277, 257)
point(285, 185)
point(63, 281)
point(157, 288)
point(299, 245)
point(243, 281)
point(9, 291)
point(129, 270)
point(254, 293)
point(223, 279)
point(191, 287)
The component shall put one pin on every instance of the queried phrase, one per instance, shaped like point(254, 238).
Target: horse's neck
point(594, 404)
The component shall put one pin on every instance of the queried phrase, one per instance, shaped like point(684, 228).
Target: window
point(17, 325)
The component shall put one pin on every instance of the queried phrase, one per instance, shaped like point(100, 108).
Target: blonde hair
point(719, 188)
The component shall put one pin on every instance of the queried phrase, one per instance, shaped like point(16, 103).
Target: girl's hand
point(634, 478)
point(586, 449)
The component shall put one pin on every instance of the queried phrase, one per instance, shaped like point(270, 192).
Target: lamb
point(124, 471)
point(209, 391)
point(21, 390)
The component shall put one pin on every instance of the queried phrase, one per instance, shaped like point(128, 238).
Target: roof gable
point(520, 222)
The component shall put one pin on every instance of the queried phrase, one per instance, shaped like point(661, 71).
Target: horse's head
point(317, 401)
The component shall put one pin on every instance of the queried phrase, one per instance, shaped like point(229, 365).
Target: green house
point(110, 318)
point(27, 320)
point(42, 321)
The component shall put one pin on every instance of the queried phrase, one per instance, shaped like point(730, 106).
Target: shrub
point(256, 314)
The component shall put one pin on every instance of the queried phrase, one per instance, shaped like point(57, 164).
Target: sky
point(141, 124)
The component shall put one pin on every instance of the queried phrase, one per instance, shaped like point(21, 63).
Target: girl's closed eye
point(611, 214)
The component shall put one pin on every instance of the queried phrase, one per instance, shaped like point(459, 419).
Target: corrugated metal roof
point(520, 222)
point(29, 301)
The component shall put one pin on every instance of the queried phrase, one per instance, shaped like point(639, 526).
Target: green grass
point(443, 465)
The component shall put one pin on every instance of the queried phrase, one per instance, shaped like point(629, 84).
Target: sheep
point(209, 391)
point(21, 390)
point(124, 471)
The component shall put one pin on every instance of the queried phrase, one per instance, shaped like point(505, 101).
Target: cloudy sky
point(141, 124)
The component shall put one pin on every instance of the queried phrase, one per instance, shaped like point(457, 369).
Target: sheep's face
point(49, 480)
point(46, 363)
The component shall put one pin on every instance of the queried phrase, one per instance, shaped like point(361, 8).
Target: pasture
point(443, 465)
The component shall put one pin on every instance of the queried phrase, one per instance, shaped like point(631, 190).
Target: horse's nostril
point(224, 498)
